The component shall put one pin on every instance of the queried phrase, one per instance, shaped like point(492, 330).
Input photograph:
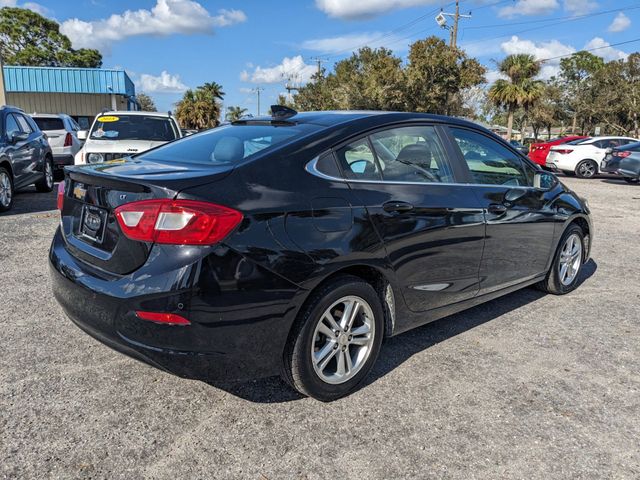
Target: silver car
point(62, 133)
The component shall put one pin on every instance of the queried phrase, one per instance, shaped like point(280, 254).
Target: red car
point(539, 151)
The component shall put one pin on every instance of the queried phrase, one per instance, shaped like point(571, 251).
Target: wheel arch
point(6, 164)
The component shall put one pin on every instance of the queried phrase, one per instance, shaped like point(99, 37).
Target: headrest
point(229, 149)
point(415, 152)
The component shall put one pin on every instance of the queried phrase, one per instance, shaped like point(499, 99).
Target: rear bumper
point(223, 342)
point(60, 160)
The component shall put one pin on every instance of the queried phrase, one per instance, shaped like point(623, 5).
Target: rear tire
point(6, 190)
point(567, 263)
point(330, 352)
point(46, 184)
point(586, 169)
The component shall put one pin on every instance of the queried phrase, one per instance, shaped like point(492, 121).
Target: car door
point(432, 229)
point(19, 152)
point(33, 149)
point(520, 219)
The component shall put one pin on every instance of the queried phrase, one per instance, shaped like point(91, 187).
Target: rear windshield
point(226, 145)
point(45, 123)
point(578, 141)
point(634, 147)
point(133, 127)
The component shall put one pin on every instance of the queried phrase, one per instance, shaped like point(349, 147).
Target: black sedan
point(624, 161)
point(295, 243)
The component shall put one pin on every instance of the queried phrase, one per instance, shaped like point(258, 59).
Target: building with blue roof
point(81, 93)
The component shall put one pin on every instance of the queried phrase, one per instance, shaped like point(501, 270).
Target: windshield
point(226, 145)
point(133, 127)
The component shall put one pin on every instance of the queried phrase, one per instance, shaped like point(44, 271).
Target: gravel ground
point(527, 386)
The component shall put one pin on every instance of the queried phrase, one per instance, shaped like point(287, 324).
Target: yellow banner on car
point(108, 118)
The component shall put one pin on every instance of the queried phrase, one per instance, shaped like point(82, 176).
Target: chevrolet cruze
point(296, 243)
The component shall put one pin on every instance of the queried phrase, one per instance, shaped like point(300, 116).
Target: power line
point(591, 49)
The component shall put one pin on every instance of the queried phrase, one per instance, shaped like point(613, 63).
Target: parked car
point(62, 133)
point(295, 243)
point(539, 151)
point(25, 156)
point(519, 146)
point(583, 158)
point(115, 135)
point(624, 161)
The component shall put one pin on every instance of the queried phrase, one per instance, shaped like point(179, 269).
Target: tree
point(200, 108)
point(576, 72)
point(520, 90)
point(436, 75)
point(29, 39)
point(549, 110)
point(146, 103)
point(235, 113)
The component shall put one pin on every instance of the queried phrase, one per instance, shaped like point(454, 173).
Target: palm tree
point(520, 89)
point(200, 108)
point(235, 113)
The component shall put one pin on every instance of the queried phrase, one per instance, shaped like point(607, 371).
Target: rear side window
point(358, 161)
point(489, 162)
point(45, 123)
point(227, 145)
point(24, 125)
point(412, 154)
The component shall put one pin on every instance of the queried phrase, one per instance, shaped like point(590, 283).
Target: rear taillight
point(68, 141)
point(563, 151)
point(621, 154)
point(60, 195)
point(165, 318)
point(178, 222)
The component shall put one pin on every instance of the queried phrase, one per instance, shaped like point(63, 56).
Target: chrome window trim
point(311, 167)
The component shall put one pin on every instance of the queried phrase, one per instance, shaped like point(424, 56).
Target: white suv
point(62, 133)
point(119, 134)
point(583, 157)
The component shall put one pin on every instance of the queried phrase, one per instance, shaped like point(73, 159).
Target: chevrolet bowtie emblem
point(79, 192)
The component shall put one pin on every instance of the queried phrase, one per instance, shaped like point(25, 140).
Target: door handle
point(497, 208)
point(398, 207)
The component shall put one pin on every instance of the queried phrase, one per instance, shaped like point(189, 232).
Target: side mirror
point(544, 181)
point(82, 134)
point(16, 137)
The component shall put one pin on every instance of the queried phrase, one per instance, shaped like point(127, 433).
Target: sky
point(167, 46)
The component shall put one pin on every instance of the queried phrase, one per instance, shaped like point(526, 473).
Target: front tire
point(567, 263)
point(6, 190)
point(46, 184)
point(586, 169)
point(336, 339)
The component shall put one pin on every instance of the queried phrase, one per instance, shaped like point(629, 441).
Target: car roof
point(134, 112)
point(50, 115)
point(609, 137)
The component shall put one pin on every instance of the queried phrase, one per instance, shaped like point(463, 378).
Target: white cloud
point(339, 44)
point(529, 7)
point(289, 67)
point(540, 51)
point(493, 75)
point(620, 23)
point(580, 7)
point(165, 18)
point(604, 50)
point(359, 9)
point(163, 83)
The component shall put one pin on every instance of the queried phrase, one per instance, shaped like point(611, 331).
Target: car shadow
point(397, 350)
point(28, 200)
point(615, 181)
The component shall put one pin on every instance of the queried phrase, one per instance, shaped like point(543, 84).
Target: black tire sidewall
point(582, 162)
point(8, 207)
point(305, 373)
point(555, 274)
point(41, 185)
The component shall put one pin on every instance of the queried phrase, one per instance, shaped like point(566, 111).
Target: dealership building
point(81, 93)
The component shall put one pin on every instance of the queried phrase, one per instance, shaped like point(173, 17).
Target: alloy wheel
point(343, 340)
point(587, 169)
point(48, 174)
point(5, 189)
point(570, 259)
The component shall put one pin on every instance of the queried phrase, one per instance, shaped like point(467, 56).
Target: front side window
point(358, 161)
point(412, 154)
point(133, 127)
point(11, 126)
point(489, 162)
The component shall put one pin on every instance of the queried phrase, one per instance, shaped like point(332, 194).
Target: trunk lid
point(93, 192)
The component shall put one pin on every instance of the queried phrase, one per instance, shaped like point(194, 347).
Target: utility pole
point(319, 61)
point(453, 31)
point(258, 90)
point(3, 96)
